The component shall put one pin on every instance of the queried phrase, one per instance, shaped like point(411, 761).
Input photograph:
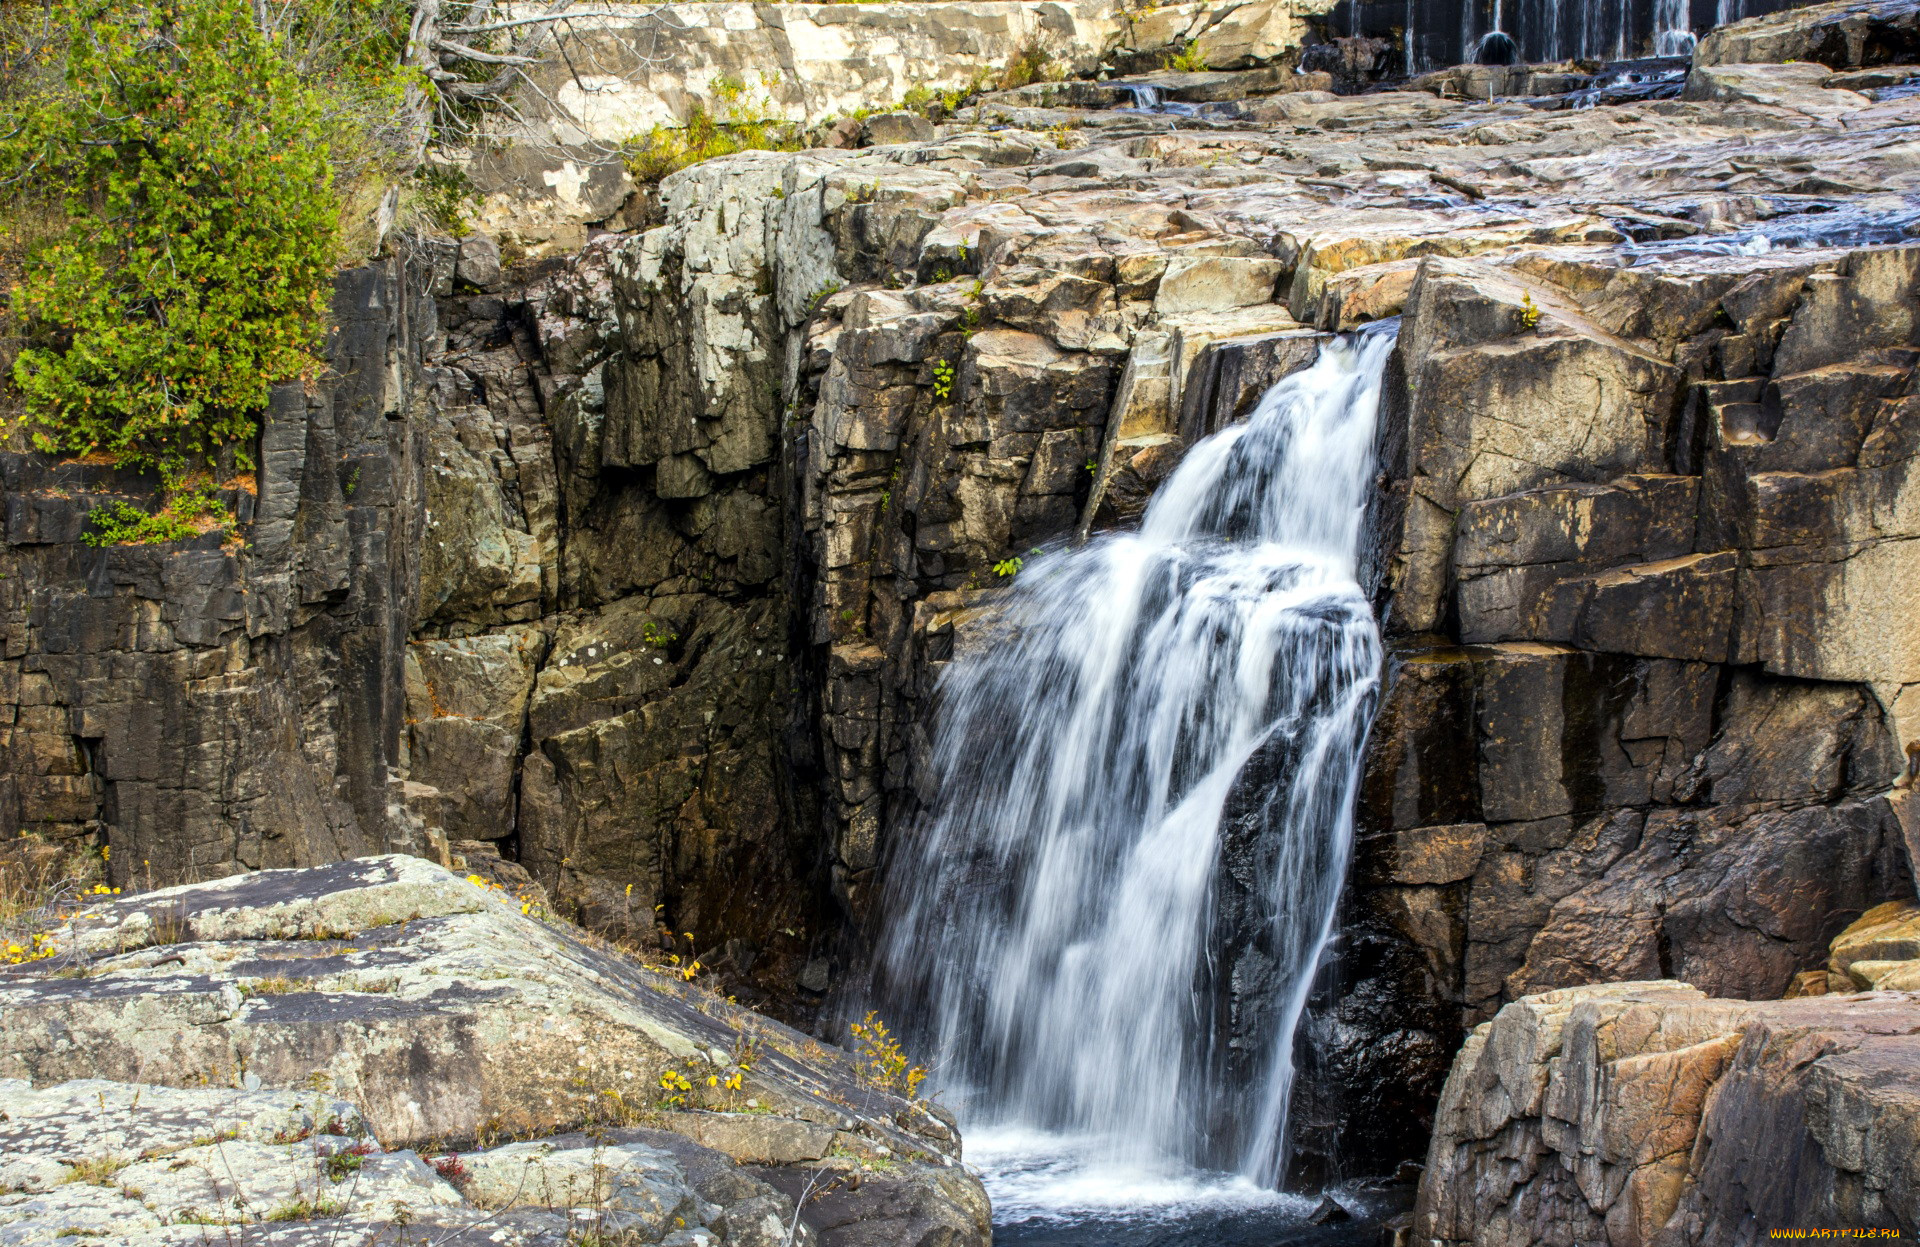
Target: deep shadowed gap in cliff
point(1105, 925)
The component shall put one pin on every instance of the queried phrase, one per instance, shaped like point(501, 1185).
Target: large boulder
point(1649, 1112)
point(1840, 35)
point(432, 1012)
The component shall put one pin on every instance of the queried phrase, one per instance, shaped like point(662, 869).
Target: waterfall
point(1168, 721)
point(1672, 28)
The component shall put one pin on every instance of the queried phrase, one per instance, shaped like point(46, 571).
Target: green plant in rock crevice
point(1188, 60)
point(744, 121)
point(188, 513)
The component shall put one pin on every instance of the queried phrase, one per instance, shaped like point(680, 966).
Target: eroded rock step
point(334, 1054)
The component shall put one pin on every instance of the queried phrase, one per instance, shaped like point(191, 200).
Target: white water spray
point(1106, 925)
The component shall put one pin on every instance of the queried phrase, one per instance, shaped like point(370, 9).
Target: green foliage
point(344, 1164)
point(1188, 60)
point(1009, 567)
point(188, 513)
point(746, 124)
point(938, 105)
point(658, 636)
point(304, 1210)
point(446, 197)
point(662, 150)
point(1028, 64)
point(826, 291)
point(942, 379)
point(1529, 314)
point(882, 1063)
point(201, 237)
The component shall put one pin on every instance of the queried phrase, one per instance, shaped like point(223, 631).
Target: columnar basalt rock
point(231, 702)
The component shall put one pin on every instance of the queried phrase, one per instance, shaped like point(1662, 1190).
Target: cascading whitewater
point(1054, 928)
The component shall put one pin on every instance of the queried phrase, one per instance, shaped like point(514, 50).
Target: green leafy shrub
point(201, 231)
point(663, 150)
point(446, 197)
point(189, 513)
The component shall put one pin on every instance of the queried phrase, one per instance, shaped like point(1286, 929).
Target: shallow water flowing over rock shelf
point(1107, 923)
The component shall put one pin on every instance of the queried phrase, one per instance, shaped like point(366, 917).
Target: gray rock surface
point(385, 1003)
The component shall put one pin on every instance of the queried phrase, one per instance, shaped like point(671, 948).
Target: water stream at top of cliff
point(1104, 927)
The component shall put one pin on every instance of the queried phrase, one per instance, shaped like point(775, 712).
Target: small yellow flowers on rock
point(37, 948)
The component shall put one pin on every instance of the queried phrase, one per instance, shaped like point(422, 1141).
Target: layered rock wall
point(551, 165)
point(625, 73)
point(639, 570)
point(1649, 1112)
point(230, 702)
point(1651, 639)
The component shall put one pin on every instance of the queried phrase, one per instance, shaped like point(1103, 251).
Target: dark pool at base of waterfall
point(1050, 1191)
point(1200, 1229)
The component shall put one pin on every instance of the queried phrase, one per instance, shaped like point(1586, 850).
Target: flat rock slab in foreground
point(246, 1052)
point(1651, 1113)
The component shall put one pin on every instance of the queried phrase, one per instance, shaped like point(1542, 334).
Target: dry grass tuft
point(41, 884)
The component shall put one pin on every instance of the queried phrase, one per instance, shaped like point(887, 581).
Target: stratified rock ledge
point(1651, 1113)
point(335, 1054)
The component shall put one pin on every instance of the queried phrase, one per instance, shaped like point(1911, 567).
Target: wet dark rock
point(1328, 1212)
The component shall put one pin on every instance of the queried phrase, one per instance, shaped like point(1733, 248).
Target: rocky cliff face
point(1649, 1112)
point(1652, 635)
point(601, 679)
point(550, 167)
point(232, 702)
point(637, 566)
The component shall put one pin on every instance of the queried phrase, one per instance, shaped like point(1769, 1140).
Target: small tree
point(202, 232)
